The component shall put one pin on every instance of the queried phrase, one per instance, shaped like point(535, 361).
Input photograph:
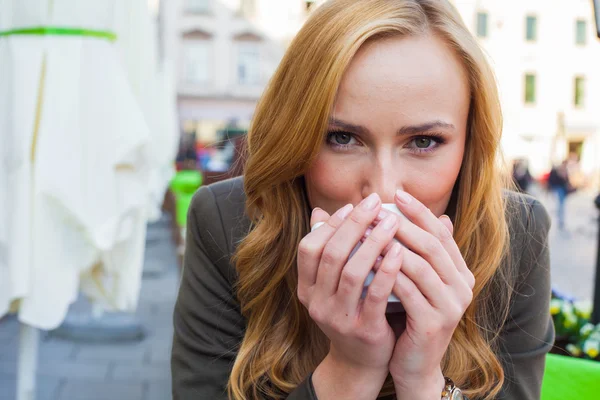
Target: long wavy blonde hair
point(282, 345)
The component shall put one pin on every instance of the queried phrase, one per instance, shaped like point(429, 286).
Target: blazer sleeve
point(208, 324)
point(528, 334)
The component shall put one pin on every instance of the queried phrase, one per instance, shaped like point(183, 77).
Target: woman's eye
point(423, 142)
point(340, 138)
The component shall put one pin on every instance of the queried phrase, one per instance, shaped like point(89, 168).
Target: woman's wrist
point(336, 380)
point(424, 387)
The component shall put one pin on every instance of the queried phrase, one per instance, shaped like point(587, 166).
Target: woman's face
point(399, 122)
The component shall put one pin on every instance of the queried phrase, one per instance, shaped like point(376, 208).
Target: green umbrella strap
point(60, 31)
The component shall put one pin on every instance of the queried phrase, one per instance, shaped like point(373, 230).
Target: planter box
point(570, 378)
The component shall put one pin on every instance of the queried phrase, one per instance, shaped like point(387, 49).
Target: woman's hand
point(330, 287)
point(435, 287)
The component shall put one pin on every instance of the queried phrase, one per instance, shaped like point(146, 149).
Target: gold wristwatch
point(451, 392)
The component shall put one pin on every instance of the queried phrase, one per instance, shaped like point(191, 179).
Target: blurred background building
point(226, 51)
point(544, 53)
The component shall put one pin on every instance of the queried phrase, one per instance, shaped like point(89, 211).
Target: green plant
point(572, 325)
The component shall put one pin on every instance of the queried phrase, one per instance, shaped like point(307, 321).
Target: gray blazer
point(209, 326)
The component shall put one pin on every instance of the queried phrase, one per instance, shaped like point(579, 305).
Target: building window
point(198, 6)
point(531, 28)
point(196, 61)
point(248, 63)
point(575, 147)
point(529, 89)
point(579, 97)
point(482, 24)
point(580, 31)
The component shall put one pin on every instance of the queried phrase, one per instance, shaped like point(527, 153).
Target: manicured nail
point(370, 202)
point(377, 264)
point(446, 218)
point(446, 226)
point(395, 250)
point(404, 197)
point(345, 211)
point(382, 214)
point(389, 222)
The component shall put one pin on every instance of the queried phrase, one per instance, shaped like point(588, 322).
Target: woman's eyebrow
point(427, 126)
point(348, 126)
point(405, 130)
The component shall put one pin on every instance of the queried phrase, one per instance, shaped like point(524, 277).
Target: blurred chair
point(186, 182)
point(183, 186)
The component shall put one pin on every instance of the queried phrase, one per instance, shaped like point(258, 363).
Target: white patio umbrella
point(73, 159)
point(151, 80)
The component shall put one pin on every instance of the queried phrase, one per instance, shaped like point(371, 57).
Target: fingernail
point(395, 250)
point(315, 209)
point(382, 214)
point(404, 197)
point(389, 222)
point(345, 211)
point(377, 263)
point(370, 202)
point(445, 226)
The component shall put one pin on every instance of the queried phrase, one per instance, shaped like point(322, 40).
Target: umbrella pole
point(29, 338)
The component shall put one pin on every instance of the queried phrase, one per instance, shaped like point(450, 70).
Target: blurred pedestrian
point(559, 183)
point(187, 157)
point(521, 175)
point(375, 101)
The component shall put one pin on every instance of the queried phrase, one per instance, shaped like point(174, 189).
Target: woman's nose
point(383, 180)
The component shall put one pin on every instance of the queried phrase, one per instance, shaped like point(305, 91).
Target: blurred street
point(129, 371)
point(573, 252)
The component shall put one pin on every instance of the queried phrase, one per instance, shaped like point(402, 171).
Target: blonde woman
point(376, 101)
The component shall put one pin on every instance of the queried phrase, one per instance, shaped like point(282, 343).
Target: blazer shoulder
point(529, 225)
point(526, 215)
point(219, 213)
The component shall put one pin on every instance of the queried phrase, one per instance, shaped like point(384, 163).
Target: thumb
point(447, 223)
point(318, 215)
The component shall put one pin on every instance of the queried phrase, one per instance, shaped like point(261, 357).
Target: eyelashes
point(341, 140)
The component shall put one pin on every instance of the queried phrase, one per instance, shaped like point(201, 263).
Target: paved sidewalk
point(69, 370)
point(573, 251)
